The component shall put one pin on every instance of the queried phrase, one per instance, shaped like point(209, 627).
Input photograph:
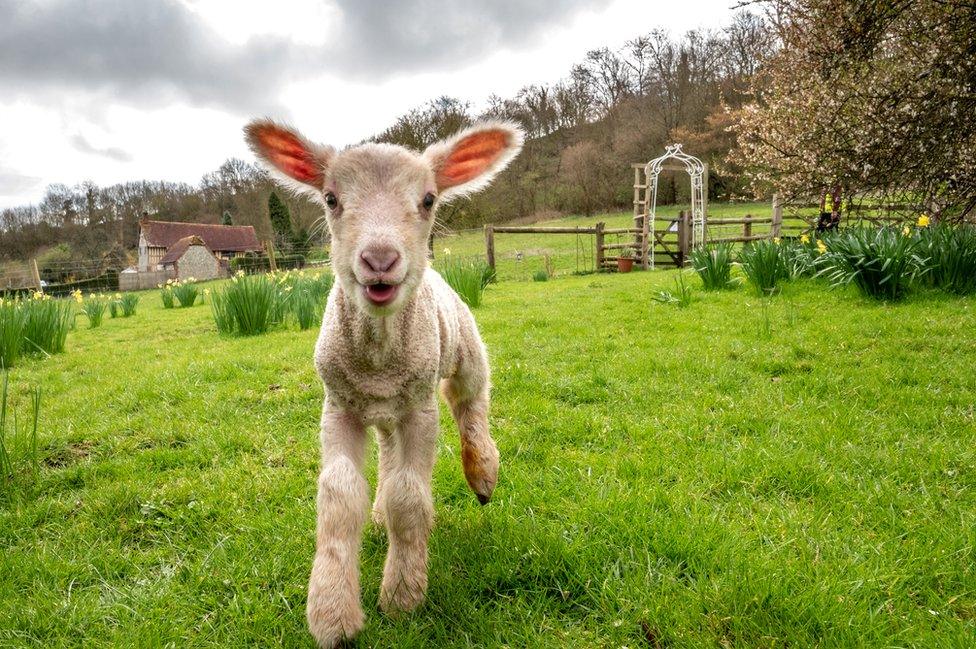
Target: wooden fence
point(670, 245)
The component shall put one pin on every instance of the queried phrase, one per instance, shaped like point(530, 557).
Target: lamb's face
point(380, 202)
point(380, 199)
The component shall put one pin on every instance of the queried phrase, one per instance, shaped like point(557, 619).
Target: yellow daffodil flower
point(804, 238)
point(821, 246)
point(923, 221)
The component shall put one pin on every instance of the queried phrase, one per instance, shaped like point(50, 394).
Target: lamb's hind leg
point(467, 395)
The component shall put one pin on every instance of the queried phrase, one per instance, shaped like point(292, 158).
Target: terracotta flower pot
point(625, 265)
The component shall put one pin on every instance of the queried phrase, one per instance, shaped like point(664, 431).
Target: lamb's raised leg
point(334, 611)
point(467, 395)
point(409, 511)
point(386, 444)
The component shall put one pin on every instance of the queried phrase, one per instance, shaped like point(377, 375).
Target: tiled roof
point(174, 252)
point(219, 238)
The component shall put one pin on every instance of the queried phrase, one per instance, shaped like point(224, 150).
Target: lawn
point(797, 472)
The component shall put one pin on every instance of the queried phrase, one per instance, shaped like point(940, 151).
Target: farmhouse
point(190, 257)
point(156, 238)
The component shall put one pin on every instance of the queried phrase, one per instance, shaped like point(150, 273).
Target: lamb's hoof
point(480, 470)
point(401, 600)
point(334, 628)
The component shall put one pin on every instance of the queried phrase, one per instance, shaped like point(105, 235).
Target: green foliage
point(680, 296)
point(113, 309)
point(253, 304)
point(713, 263)
point(540, 276)
point(950, 257)
point(46, 325)
point(94, 307)
point(18, 442)
point(803, 257)
point(185, 292)
point(166, 294)
point(12, 318)
point(226, 218)
point(467, 278)
point(128, 303)
point(764, 264)
point(280, 217)
point(246, 306)
point(881, 262)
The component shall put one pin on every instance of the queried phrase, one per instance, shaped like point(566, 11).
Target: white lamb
point(393, 329)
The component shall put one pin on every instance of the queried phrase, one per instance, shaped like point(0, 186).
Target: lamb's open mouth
point(381, 294)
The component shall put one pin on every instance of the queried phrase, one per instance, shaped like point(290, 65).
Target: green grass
point(800, 472)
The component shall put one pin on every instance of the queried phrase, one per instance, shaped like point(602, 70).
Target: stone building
point(190, 257)
point(224, 242)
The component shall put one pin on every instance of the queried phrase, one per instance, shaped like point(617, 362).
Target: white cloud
point(115, 129)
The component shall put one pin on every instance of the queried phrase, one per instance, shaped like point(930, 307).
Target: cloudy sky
point(114, 90)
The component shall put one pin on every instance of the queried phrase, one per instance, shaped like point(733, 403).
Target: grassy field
point(798, 472)
point(570, 253)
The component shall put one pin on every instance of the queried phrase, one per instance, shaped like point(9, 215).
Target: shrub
point(950, 257)
point(93, 307)
point(882, 263)
point(764, 264)
point(46, 324)
point(467, 279)
point(185, 292)
point(166, 293)
point(540, 276)
point(307, 295)
point(714, 266)
point(803, 257)
point(128, 303)
point(246, 305)
point(11, 331)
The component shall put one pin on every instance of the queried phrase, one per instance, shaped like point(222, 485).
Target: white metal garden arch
point(696, 170)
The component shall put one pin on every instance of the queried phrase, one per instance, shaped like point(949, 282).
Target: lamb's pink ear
point(467, 161)
point(294, 161)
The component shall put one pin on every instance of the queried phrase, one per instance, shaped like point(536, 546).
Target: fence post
point(683, 238)
point(490, 245)
point(777, 216)
point(269, 247)
point(37, 276)
point(747, 227)
point(645, 235)
point(599, 245)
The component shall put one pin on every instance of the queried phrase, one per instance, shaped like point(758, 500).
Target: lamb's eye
point(429, 201)
point(331, 201)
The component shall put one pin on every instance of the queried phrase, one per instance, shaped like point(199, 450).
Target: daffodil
point(907, 231)
point(804, 238)
point(821, 246)
point(923, 221)
point(776, 240)
point(447, 251)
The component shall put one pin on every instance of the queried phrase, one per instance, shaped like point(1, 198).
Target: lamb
point(392, 331)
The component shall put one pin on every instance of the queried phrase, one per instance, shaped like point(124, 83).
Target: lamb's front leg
point(409, 511)
point(334, 611)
